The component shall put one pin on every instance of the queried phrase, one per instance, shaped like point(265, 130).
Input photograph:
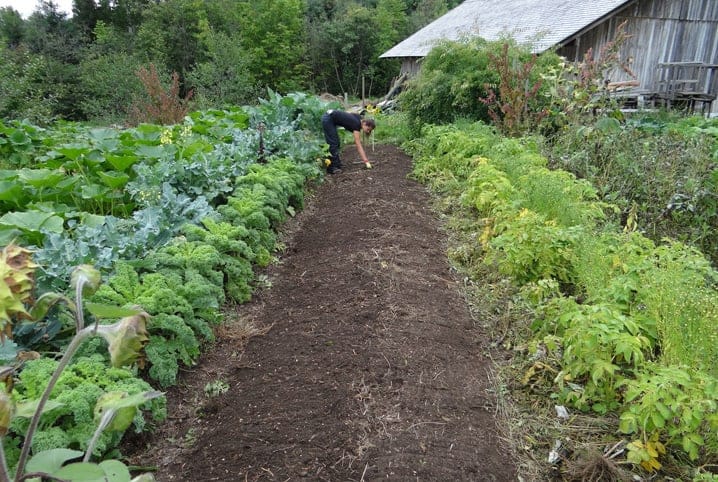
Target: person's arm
point(360, 148)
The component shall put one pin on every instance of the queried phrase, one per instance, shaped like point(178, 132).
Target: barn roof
point(540, 23)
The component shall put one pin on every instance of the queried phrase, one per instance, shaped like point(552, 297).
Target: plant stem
point(4, 472)
point(71, 349)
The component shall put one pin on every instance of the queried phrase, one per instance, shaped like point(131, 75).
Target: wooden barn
point(671, 54)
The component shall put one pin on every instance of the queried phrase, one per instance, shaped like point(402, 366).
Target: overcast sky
point(26, 7)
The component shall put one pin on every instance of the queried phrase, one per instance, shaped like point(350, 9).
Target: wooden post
point(363, 103)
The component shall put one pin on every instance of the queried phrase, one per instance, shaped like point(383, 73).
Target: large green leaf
point(19, 137)
point(147, 132)
point(9, 234)
point(113, 179)
point(92, 220)
point(81, 472)
point(121, 162)
point(46, 301)
point(104, 139)
point(67, 184)
point(28, 409)
point(49, 461)
point(93, 191)
point(33, 221)
point(73, 151)
point(41, 178)
point(94, 158)
point(8, 350)
point(10, 191)
point(115, 471)
point(150, 152)
point(8, 174)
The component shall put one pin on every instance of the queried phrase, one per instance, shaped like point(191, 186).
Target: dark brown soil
point(366, 363)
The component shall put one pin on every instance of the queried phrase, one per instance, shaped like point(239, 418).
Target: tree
point(225, 77)
point(23, 92)
point(345, 49)
point(272, 33)
point(108, 77)
point(170, 35)
point(12, 27)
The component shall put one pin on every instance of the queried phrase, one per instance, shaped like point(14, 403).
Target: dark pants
point(332, 137)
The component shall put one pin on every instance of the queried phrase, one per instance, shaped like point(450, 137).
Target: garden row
point(175, 218)
point(622, 325)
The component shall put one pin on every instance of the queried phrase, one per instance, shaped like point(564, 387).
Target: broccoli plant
point(114, 410)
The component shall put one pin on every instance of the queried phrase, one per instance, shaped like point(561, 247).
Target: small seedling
point(216, 388)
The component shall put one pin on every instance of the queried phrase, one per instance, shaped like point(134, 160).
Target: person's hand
point(367, 164)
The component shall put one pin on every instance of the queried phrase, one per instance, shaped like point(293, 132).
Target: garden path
point(366, 363)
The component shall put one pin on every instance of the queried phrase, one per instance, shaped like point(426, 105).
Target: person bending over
point(351, 122)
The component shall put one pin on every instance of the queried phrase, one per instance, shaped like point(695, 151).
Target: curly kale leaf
point(182, 255)
point(171, 340)
point(72, 424)
point(229, 239)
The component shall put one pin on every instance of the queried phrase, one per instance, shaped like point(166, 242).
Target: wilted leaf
point(126, 338)
point(88, 276)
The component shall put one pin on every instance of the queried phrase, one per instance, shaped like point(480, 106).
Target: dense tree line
point(84, 66)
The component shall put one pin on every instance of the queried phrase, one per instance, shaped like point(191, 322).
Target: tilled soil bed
point(358, 360)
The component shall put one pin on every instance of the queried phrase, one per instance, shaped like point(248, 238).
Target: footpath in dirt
point(367, 364)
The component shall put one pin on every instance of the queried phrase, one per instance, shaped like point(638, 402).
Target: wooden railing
point(689, 84)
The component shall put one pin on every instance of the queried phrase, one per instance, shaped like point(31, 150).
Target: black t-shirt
point(347, 120)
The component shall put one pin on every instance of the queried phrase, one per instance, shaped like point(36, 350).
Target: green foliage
point(559, 196)
point(71, 423)
point(460, 80)
point(344, 48)
point(12, 29)
point(452, 79)
point(514, 105)
point(628, 318)
point(665, 175)
point(272, 36)
point(175, 329)
point(224, 78)
point(225, 51)
point(23, 92)
point(171, 341)
point(170, 36)
point(446, 155)
point(680, 293)
point(574, 91)
point(601, 347)
point(489, 190)
point(108, 74)
point(531, 247)
point(676, 404)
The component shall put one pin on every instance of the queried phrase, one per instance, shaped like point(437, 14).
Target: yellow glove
point(367, 164)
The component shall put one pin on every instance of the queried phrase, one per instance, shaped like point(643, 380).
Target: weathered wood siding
point(660, 31)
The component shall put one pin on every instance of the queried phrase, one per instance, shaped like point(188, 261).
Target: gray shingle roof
point(540, 23)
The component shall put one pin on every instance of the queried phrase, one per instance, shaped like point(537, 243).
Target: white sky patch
point(27, 7)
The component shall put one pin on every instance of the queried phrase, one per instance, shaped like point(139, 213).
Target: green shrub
point(675, 404)
point(559, 196)
point(680, 294)
point(452, 79)
point(456, 75)
point(665, 175)
point(601, 347)
point(531, 247)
